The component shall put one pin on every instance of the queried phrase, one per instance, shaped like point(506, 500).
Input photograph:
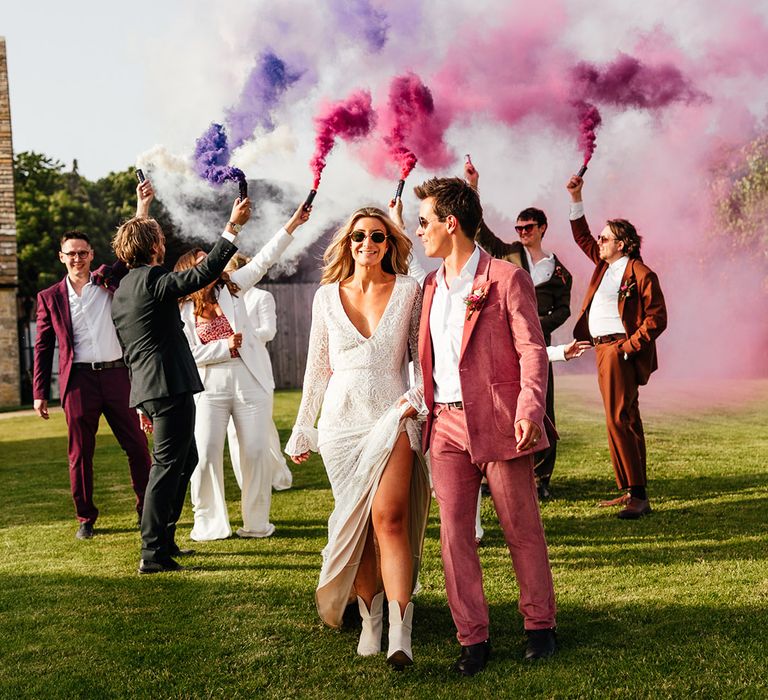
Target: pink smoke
point(589, 121)
point(349, 119)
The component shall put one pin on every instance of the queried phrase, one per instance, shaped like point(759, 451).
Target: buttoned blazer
point(251, 312)
point(642, 308)
point(145, 310)
point(553, 297)
point(54, 323)
point(502, 364)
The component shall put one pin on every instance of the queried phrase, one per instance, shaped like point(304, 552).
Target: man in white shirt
point(484, 366)
point(76, 313)
point(623, 314)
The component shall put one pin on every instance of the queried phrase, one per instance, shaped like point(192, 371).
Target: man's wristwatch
point(236, 227)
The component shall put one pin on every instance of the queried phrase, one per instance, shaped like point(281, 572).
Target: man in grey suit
point(164, 378)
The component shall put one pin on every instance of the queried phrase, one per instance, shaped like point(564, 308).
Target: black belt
point(600, 339)
point(98, 365)
point(451, 404)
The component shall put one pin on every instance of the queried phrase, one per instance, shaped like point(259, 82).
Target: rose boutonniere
point(561, 274)
point(627, 288)
point(475, 299)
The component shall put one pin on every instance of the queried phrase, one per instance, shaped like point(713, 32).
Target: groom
point(484, 363)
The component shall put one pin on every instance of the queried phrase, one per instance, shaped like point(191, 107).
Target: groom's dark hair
point(453, 196)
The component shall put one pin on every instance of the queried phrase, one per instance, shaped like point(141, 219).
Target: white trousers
point(232, 391)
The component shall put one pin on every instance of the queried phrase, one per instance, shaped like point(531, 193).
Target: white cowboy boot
point(370, 635)
point(399, 653)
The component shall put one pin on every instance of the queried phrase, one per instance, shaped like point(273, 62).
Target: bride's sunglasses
point(376, 236)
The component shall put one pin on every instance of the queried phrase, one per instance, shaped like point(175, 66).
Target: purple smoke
point(212, 157)
point(360, 17)
point(626, 82)
point(268, 80)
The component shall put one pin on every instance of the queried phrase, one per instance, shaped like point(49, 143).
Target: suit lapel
point(61, 300)
point(425, 338)
point(481, 279)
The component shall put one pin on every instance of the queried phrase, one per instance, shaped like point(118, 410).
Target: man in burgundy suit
point(93, 379)
point(623, 313)
point(484, 363)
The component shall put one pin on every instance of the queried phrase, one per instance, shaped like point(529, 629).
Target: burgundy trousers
point(90, 394)
point(456, 481)
point(626, 438)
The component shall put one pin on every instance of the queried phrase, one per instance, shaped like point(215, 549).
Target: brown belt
point(98, 365)
point(600, 339)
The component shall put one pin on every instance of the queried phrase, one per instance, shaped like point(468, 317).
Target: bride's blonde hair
point(338, 263)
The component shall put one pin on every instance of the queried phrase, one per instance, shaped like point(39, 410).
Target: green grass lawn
point(674, 605)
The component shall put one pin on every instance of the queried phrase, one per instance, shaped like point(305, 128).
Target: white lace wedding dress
point(359, 382)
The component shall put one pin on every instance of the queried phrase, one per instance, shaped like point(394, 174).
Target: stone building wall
point(9, 325)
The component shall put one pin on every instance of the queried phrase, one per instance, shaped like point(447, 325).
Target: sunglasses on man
point(525, 227)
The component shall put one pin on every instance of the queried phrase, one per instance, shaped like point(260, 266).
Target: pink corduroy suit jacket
point(503, 362)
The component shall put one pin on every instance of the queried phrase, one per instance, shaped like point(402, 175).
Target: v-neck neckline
point(381, 318)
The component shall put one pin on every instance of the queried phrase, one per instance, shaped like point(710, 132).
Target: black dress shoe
point(175, 551)
point(544, 493)
point(85, 531)
point(541, 644)
point(473, 658)
point(158, 567)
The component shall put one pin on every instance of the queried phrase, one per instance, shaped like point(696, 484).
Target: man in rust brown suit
point(623, 313)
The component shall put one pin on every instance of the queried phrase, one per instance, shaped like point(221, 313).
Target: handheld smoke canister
point(582, 170)
point(140, 175)
point(399, 190)
point(310, 198)
point(243, 186)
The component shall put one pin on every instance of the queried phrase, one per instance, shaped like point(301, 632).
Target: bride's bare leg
point(390, 521)
point(367, 579)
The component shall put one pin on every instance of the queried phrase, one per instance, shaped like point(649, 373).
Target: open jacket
point(503, 362)
point(642, 308)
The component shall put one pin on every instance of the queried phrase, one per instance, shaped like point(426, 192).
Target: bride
point(365, 325)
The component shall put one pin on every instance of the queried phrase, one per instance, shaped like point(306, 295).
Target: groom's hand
point(527, 434)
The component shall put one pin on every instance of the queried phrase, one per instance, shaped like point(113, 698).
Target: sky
point(118, 84)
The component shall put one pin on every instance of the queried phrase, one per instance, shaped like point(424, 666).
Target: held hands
point(235, 341)
point(300, 216)
point(527, 434)
point(145, 424)
point(395, 209)
point(576, 348)
point(574, 186)
point(300, 459)
point(241, 211)
point(471, 175)
point(41, 408)
point(145, 193)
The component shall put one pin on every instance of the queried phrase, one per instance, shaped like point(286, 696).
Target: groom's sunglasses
point(525, 227)
point(376, 236)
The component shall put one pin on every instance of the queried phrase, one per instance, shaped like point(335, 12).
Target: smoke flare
point(211, 157)
point(262, 91)
point(349, 119)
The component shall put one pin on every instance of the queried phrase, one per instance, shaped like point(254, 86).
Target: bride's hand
point(300, 459)
point(410, 413)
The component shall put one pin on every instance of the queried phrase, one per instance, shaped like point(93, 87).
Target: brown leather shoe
point(620, 501)
point(636, 508)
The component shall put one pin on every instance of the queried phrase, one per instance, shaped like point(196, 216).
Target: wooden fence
point(288, 350)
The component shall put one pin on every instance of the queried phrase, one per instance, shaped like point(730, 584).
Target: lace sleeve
point(415, 395)
point(304, 435)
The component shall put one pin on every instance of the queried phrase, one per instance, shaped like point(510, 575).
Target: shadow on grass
point(205, 636)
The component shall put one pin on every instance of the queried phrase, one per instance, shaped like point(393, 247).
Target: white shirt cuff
point(229, 236)
point(577, 210)
point(556, 353)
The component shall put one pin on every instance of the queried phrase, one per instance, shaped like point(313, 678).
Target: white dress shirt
point(543, 270)
point(93, 332)
point(604, 316)
point(446, 325)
